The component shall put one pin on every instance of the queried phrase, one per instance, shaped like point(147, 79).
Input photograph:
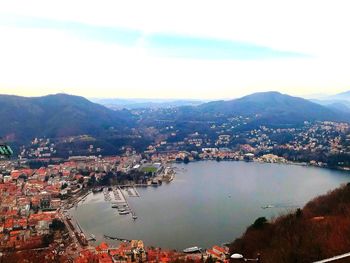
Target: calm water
point(208, 202)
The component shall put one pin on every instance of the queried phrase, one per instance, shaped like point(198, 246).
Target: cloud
point(173, 49)
point(79, 30)
point(158, 44)
point(310, 27)
point(207, 48)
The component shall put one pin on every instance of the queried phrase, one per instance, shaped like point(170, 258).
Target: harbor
point(174, 215)
point(115, 196)
point(120, 201)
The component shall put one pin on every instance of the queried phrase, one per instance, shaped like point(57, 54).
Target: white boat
point(267, 206)
point(192, 250)
point(124, 213)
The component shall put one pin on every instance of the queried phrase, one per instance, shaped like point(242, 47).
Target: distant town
point(313, 143)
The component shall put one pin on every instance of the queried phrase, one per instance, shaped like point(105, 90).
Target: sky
point(174, 49)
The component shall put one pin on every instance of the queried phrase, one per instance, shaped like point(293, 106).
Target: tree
point(47, 239)
point(299, 213)
point(57, 224)
point(186, 160)
point(92, 181)
point(259, 223)
point(23, 176)
point(210, 260)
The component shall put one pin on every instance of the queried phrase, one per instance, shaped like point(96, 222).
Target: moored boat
point(267, 206)
point(192, 250)
point(124, 212)
point(97, 190)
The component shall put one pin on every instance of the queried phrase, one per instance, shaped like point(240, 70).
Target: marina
point(119, 200)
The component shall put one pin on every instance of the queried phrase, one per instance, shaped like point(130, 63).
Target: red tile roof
point(104, 258)
point(219, 249)
point(102, 246)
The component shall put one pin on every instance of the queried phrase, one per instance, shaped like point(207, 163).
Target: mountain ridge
point(56, 115)
point(59, 115)
point(270, 105)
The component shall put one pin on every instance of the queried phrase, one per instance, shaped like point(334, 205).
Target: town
point(39, 187)
point(314, 143)
point(34, 204)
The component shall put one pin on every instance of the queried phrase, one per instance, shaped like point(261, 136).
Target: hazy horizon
point(164, 99)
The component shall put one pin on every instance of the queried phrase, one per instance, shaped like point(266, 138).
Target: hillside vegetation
point(320, 230)
point(60, 115)
point(273, 108)
point(57, 115)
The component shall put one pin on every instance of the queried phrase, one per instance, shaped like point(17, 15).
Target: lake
point(208, 202)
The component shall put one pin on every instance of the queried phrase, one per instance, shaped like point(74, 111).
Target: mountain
point(274, 108)
point(340, 101)
point(264, 108)
point(23, 118)
point(342, 96)
point(59, 115)
point(340, 105)
point(145, 103)
point(344, 107)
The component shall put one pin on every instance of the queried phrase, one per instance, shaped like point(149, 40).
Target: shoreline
point(344, 169)
point(255, 161)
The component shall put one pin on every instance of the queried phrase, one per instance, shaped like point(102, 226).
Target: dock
point(121, 202)
point(91, 238)
point(118, 195)
point(106, 194)
point(132, 192)
point(116, 238)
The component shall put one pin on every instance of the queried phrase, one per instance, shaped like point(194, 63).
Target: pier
point(119, 196)
point(121, 202)
point(79, 227)
point(91, 238)
point(132, 192)
point(106, 194)
point(116, 238)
